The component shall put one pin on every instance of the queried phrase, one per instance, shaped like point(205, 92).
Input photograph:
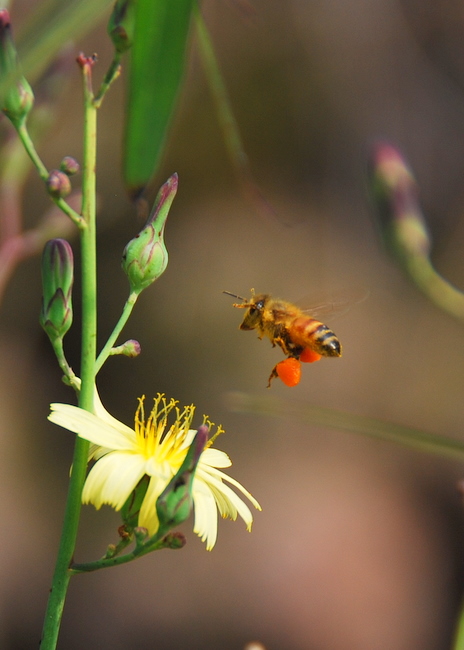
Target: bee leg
point(272, 376)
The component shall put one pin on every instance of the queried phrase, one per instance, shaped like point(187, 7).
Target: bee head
point(253, 316)
point(254, 308)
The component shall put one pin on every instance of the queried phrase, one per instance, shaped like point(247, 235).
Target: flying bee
point(301, 337)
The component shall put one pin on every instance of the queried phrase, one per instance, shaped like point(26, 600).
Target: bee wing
point(336, 304)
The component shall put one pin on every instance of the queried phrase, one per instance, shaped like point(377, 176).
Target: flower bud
point(130, 348)
point(121, 25)
point(175, 502)
point(69, 166)
point(131, 509)
point(16, 96)
point(58, 184)
point(145, 257)
point(57, 281)
point(174, 541)
point(395, 195)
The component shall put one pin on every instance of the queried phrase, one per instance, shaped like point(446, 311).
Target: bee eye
point(260, 304)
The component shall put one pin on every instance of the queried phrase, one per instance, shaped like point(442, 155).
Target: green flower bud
point(131, 509)
point(16, 96)
point(69, 166)
point(175, 502)
point(145, 257)
point(395, 195)
point(130, 348)
point(57, 280)
point(58, 184)
point(121, 25)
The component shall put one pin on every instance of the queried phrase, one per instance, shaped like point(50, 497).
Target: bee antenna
point(234, 295)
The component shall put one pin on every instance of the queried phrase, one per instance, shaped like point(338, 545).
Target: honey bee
point(301, 337)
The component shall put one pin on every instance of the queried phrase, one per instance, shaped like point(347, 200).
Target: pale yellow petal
point(102, 413)
point(215, 458)
point(229, 503)
point(148, 517)
point(89, 426)
point(205, 524)
point(205, 472)
point(112, 479)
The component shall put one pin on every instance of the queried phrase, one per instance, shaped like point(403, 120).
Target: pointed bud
point(69, 166)
point(145, 257)
point(130, 348)
point(121, 25)
point(57, 281)
point(58, 184)
point(395, 195)
point(16, 96)
point(131, 509)
point(175, 502)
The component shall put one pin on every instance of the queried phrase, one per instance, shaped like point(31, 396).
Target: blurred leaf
point(54, 23)
point(156, 69)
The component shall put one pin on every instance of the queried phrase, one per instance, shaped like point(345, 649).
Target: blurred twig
point(360, 424)
point(403, 228)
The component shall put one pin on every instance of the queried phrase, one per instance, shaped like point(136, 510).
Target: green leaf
point(156, 69)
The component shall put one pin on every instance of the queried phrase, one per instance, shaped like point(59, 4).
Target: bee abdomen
point(317, 336)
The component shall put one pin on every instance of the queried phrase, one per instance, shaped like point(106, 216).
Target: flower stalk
point(62, 572)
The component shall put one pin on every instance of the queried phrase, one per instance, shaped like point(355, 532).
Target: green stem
point(63, 572)
point(228, 123)
point(112, 74)
point(458, 641)
point(106, 351)
point(156, 542)
point(68, 372)
point(435, 287)
point(43, 172)
point(31, 151)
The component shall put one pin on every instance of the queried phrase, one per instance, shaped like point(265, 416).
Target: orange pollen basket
point(289, 371)
point(308, 356)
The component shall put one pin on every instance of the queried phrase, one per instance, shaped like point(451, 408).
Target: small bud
point(145, 257)
point(140, 534)
point(110, 551)
point(121, 25)
point(16, 96)
point(69, 166)
point(130, 348)
point(57, 280)
point(174, 541)
point(395, 195)
point(58, 184)
point(175, 502)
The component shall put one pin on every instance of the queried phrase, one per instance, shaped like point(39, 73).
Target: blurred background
point(359, 544)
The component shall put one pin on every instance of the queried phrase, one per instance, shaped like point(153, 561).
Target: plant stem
point(435, 287)
point(63, 573)
point(359, 424)
point(458, 642)
point(154, 543)
point(112, 74)
point(43, 172)
point(228, 123)
point(105, 353)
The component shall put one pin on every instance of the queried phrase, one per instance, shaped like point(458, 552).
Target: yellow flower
point(156, 449)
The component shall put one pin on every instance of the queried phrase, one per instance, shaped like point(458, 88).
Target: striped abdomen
point(311, 333)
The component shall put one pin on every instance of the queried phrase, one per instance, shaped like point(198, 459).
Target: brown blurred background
point(359, 545)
